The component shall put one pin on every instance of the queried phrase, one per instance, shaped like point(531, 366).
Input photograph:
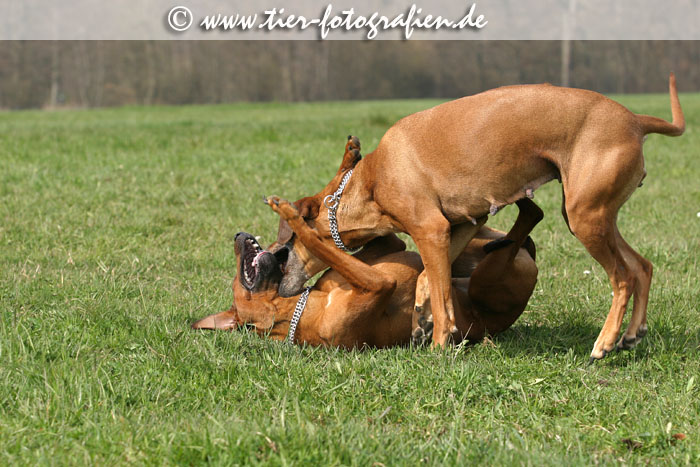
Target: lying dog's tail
point(651, 124)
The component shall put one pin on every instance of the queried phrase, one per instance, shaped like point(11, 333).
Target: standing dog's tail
point(651, 124)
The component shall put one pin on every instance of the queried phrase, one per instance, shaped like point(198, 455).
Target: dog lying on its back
point(367, 299)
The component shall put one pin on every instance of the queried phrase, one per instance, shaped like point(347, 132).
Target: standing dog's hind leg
point(642, 269)
point(596, 229)
point(592, 205)
point(607, 252)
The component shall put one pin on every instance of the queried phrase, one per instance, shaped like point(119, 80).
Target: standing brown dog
point(367, 299)
point(437, 174)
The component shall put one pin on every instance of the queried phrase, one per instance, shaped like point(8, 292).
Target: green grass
point(117, 231)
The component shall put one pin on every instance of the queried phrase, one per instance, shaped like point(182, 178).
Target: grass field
point(117, 231)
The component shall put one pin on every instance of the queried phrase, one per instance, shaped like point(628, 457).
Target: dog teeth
point(252, 253)
point(253, 243)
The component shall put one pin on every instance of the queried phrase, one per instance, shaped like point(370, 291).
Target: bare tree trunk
point(569, 28)
point(82, 71)
point(565, 62)
point(99, 80)
point(150, 74)
point(18, 48)
point(287, 79)
point(55, 63)
point(322, 72)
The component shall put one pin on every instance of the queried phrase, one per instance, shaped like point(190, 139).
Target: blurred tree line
point(37, 74)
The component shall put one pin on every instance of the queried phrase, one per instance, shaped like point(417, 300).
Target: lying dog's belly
point(387, 325)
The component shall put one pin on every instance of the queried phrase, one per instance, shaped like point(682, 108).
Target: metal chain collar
point(332, 202)
point(298, 310)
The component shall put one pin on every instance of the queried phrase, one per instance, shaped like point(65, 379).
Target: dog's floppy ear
point(284, 233)
point(308, 209)
point(226, 320)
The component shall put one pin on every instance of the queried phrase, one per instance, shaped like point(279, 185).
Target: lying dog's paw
point(284, 208)
point(352, 153)
point(423, 332)
point(353, 143)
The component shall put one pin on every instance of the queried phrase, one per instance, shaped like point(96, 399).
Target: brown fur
point(367, 299)
point(438, 173)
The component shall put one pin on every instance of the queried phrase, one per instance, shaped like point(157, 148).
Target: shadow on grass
point(540, 339)
point(528, 340)
point(551, 339)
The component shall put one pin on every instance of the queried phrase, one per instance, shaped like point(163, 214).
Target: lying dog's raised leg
point(376, 248)
point(356, 310)
point(359, 275)
point(501, 285)
point(422, 320)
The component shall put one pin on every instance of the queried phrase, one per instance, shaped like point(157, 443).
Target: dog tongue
point(257, 257)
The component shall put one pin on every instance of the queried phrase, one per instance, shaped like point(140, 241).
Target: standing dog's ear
point(353, 143)
point(309, 206)
point(308, 209)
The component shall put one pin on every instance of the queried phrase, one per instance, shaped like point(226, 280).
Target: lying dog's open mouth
point(251, 266)
point(259, 267)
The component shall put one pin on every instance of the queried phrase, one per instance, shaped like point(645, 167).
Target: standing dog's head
point(301, 265)
point(254, 288)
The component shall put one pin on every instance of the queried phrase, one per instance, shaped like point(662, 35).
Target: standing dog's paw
point(628, 343)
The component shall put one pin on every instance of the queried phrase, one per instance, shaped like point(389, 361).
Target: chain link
point(332, 202)
point(298, 310)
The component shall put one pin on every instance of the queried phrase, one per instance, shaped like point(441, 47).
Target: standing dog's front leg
point(433, 239)
point(422, 325)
